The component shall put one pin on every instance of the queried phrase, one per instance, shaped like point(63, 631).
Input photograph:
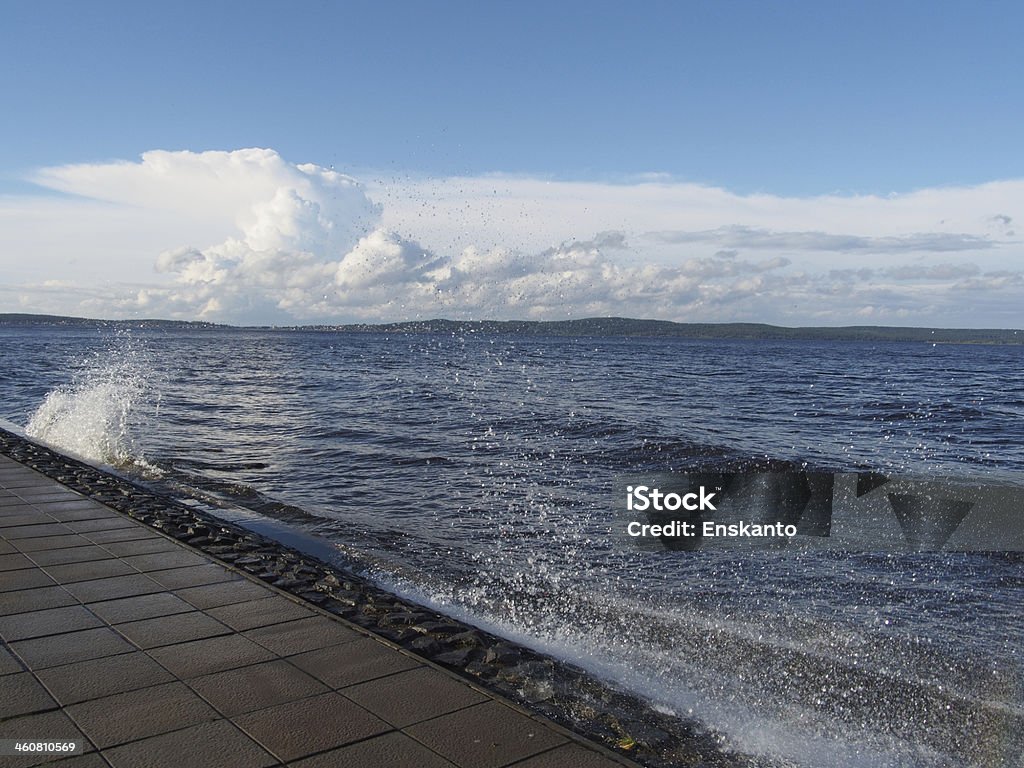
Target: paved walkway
point(152, 654)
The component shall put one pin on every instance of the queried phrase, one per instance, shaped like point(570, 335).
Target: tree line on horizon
point(586, 327)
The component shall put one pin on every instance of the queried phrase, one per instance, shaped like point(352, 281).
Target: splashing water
point(96, 415)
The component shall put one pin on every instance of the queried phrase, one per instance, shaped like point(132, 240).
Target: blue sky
point(789, 98)
point(796, 101)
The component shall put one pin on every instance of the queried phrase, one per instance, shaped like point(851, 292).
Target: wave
point(98, 414)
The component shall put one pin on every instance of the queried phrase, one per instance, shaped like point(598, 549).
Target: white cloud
point(737, 236)
point(246, 236)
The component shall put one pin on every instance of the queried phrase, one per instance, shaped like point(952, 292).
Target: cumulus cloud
point(257, 190)
point(249, 237)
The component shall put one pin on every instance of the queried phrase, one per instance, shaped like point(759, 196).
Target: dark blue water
point(474, 473)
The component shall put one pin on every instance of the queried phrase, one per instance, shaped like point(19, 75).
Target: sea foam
point(97, 414)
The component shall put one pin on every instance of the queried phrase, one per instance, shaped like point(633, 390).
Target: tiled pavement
point(155, 655)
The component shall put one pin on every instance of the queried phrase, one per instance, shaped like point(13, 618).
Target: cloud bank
point(248, 237)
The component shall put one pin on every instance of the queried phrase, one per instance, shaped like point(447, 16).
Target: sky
point(798, 163)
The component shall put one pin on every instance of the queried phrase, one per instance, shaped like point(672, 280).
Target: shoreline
point(556, 690)
point(589, 327)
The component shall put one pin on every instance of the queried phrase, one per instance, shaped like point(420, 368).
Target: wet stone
point(479, 669)
point(503, 654)
point(438, 628)
point(534, 691)
point(459, 658)
point(402, 618)
point(425, 645)
point(390, 633)
point(341, 608)
point(648, 735)
point(528, 670)
point(469, 639)
point(289, 583)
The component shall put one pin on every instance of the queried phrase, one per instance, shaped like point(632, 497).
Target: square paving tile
point(28, 518)
point(21, 694)
point(140, 607)
point(101, 524)
point(123, 534)
point(51, 542)
point(303, 635)
point(72, 555)
point(210, 745)
point(214, 654)
point(394, 750)
point(413, 696)
point(162, 561)
point(260, 613)
point(24, 481)
point(355, 662)
point(72, 683)
point(194, 576)
point(52, 493)
point(570, 754)
point(35, 531)
point(26, 578)
point(67, 648)
point(34, 600)
point(149, 711)
point(89, 760)
point(72, 502)
point(14, 562)
point(68, 573)
point(74, 511)
point(168, 630)
point(8, 664)
point(44, 499)
point(15, 511)
point(52, 621)
point(485, 736)
point(141, 547)
point(20, 479)
point(224, 593)
point(257, 687)
point(113, 588)
point(300, 728)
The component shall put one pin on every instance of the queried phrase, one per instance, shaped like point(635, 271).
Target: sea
point(476, 473)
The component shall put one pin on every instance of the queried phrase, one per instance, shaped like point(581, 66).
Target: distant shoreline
point(589, 327)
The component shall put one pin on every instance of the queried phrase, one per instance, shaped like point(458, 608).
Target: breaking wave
point(99, 413)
